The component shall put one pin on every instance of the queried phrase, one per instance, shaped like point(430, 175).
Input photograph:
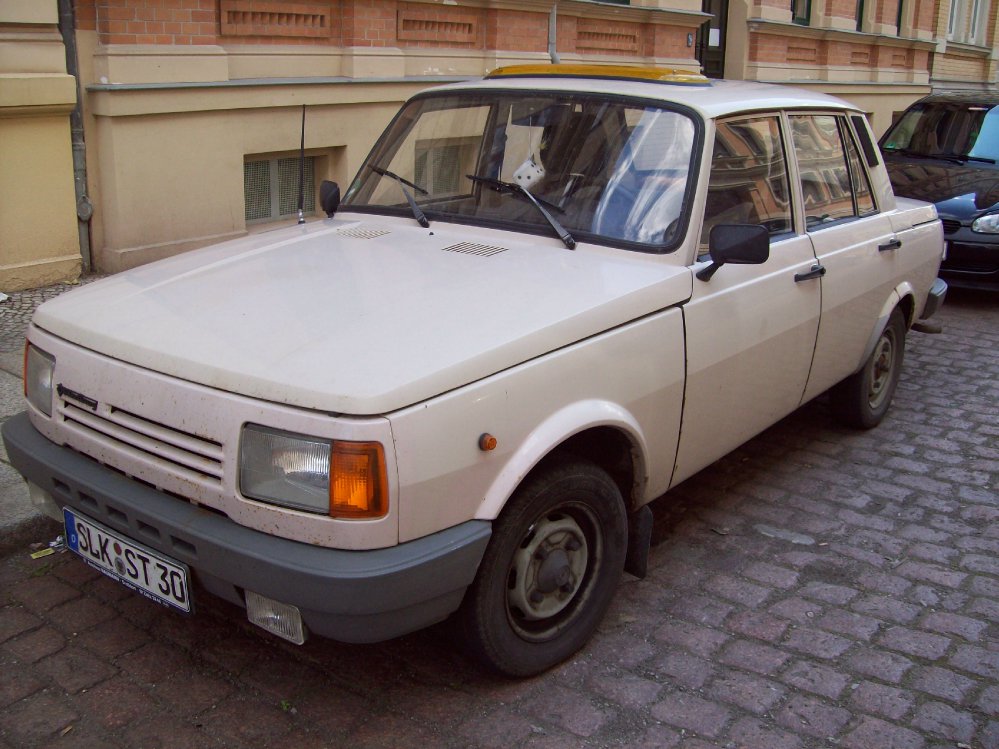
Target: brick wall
point(841, 9)
point(777, 4)
point(765, 48)
point(370, 23)
point(886, 12)
point(419, 25)
point(181, 22)
point(517, 30)
point(924, 15)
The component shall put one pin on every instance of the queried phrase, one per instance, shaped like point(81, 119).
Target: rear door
point(853, 241)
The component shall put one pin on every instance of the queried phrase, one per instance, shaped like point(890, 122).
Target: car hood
point(959, 190)
point(361, 317)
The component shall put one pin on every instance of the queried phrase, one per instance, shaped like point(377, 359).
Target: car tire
point(550, 570)
point(862, 400)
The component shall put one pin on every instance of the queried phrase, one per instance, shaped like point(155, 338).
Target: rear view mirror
point(741, 244)
point(329, 197)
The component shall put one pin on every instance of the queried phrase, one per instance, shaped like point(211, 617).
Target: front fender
point(554, 431)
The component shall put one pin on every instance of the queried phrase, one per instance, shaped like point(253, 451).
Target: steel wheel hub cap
point(548, 568)
point(881, 372)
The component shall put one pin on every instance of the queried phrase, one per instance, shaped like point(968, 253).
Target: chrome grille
point(189, 455)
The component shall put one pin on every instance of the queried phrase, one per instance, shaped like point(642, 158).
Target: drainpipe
point(552, 21)
point(84, 208)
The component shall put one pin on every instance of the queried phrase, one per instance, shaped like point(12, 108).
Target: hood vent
point(360, 232)
point(470, 248)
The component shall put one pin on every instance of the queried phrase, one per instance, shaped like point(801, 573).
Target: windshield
point(945, 129)
point(606, 170)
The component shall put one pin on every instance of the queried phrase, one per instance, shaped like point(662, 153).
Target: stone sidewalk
point(19, 522)
point(818, 587)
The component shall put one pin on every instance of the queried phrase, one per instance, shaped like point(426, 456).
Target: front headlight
point(988, 224)
point(332, 477)
point(38, 369)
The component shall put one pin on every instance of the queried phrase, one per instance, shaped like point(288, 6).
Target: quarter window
point(748, 183)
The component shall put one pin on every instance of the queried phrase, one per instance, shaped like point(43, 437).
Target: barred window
point(270, 188)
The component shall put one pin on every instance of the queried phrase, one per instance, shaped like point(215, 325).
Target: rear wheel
point(550, 570)
point(862, 400)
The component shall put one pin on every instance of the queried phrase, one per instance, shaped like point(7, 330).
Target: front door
point(751, 329)
point(711, 38)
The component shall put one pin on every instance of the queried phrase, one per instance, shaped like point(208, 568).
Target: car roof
point(711, 98)
point(987, 98)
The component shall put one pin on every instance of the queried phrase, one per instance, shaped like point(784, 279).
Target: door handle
point(894, 244)
point(817, 271)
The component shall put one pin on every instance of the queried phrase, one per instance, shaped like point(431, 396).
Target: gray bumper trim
point(935, 299)
point(354, 596)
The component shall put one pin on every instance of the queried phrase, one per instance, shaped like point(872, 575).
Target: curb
point(18, 536)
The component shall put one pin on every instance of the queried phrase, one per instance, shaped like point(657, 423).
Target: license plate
point(147, 572)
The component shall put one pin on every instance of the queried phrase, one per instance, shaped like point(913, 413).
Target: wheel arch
point(903, 297)
point(600, 432)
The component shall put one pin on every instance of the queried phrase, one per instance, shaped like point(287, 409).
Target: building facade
point(191, 110)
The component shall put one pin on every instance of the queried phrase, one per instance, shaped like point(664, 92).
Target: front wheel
point(862, 399)
point(550, 570)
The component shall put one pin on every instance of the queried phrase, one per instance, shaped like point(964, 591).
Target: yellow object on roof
point(622, 72)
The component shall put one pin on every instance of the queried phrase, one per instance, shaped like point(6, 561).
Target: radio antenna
point(301, 173)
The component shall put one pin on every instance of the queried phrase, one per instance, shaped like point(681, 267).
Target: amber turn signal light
point(358, 481)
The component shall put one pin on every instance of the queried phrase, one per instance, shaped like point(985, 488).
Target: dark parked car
point(944, 149)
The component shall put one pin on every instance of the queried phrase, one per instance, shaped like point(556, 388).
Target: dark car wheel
point(550, 570)
point(862, 400)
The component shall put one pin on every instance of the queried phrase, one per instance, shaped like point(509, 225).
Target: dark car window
point(956, 129)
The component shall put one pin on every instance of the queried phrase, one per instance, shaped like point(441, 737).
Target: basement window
point(270, 188)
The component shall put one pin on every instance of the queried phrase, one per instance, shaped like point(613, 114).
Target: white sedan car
point(546, 298)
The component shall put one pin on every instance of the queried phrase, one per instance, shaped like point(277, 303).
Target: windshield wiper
point(910, 152)
point(512, 188)
point(418, 213)
point(983, 159)
point(951, 157)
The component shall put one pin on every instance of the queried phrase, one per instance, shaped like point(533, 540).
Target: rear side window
point(834, 185)
point(858, 175)
point(748, 183)
point(864, 136)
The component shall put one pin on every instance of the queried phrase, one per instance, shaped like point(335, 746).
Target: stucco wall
point(39, 243)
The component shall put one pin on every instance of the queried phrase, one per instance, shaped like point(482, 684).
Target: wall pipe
point(84, 208)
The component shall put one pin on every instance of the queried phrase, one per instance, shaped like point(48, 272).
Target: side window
point(748, 182)
point(827, 183)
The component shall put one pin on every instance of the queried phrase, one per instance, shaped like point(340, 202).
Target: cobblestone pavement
point(818, 587)
point(16, 311)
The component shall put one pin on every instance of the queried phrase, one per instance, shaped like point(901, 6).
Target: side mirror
point(329, 197)
point(741, 244)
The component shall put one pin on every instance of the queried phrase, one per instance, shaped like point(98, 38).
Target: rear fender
point(554, 431)
point(903, 291)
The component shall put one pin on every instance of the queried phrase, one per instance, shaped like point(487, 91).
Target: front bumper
point(972, 261)
point(353, 596)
